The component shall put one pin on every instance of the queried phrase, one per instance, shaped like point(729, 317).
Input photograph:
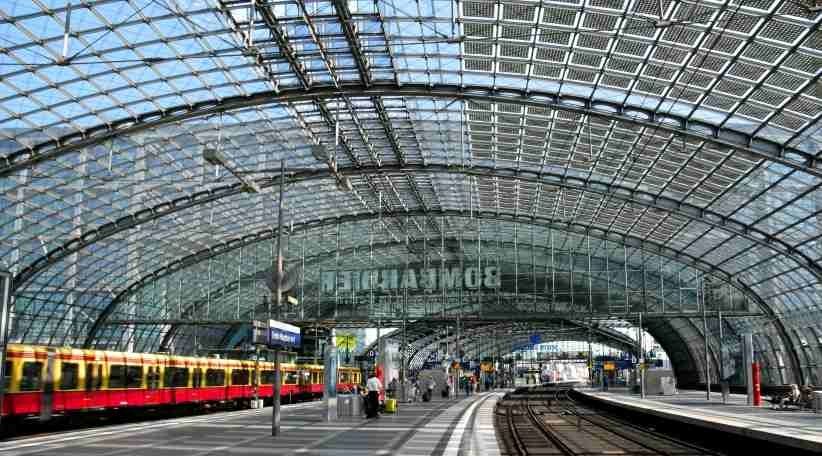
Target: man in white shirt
point(373, 385)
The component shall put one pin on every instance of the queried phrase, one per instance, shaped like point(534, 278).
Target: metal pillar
point(747, 360)
point(5, 306)
point(403, 361)
point(722, 383)
point(275, 409)
point(330, 374)
point(590, 356)
point(641, 375)
point(255, 382)
point(705, 334)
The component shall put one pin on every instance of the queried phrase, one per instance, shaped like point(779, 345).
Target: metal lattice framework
point(685, 129)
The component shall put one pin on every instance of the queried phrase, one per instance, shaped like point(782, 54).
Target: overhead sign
point(535, 339)
point(283, 334)
point(412, 279)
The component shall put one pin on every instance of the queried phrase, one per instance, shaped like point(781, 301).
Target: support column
point(5, 307)
point(330, 375)
point(747, 361)
point(641, 376)
point(722, 382)
point(275, 409)
point(275, 403)
point(590, 355)
point(705, 334)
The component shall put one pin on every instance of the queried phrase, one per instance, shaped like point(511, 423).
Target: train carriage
point(41, 381)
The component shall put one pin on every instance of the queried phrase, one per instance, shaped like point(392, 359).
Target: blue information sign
point(283, 335)
point(535, 339)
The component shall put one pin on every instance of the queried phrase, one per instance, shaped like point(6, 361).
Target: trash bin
point(390, 406)
point(817, 401)
point(348, 405)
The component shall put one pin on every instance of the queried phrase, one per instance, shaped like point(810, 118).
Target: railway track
point(554, 424)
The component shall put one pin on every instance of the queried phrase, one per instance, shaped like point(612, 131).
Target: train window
point(215, 377)
point(290, 378)
point(69, 373)
point(267, 377)
point(117, 376)
point(345, 377)
point(239, 377)
point(176, 377)
point(134, 376)
point(32, 378)
point(197, 378)
point(7, 376)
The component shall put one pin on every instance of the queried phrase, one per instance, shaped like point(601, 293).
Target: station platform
point(792, 428)
point(442, 427)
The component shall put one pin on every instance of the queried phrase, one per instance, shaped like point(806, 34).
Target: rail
point(525, 431)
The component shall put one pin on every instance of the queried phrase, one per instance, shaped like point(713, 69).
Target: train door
point(304, 383)
point(93, 383)
point(152, 392)
point(47, 396)
point(7, 377)
point(319, 382)
point(196, 383)
point(68, 394)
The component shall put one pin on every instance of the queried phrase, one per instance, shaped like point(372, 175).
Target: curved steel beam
point(622, 193)
point(430, 337)
point(623, 341)
point(724, 137)
point(232, 244)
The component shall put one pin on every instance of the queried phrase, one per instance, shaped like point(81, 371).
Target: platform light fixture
point(813, 6)
point(214, 157)
point(320, 152)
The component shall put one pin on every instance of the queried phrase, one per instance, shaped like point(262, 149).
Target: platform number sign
point(283, 335)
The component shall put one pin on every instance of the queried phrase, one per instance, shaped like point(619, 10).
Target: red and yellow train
point(41, 381)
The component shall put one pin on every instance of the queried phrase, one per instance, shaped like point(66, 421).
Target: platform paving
point(800, 429)
point(456, 427)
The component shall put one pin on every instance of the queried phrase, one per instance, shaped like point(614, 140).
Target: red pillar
point(757, 389)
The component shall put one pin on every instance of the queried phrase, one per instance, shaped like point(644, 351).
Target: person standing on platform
point(374, 385)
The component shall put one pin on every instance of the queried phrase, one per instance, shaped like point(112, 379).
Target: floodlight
point(344, 184)
point(212, 156)
point(319, 151)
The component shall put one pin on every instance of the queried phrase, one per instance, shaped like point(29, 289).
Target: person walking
point(429, 386)
point(373, 385)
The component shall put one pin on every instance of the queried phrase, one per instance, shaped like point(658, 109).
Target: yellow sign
point(346, 341)
point(608, 365)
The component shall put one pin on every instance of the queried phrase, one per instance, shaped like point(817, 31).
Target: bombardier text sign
point(412, 279)
point(283, 334)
